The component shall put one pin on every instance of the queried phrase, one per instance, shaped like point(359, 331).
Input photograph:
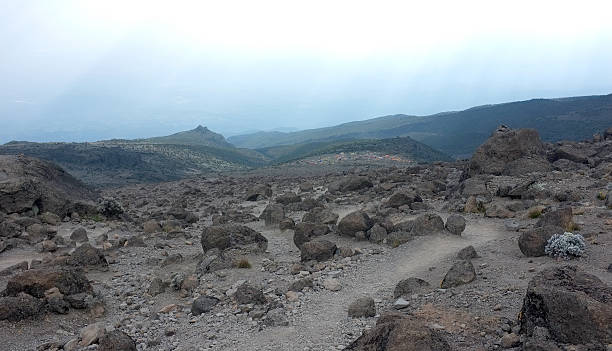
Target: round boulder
point(354, 222)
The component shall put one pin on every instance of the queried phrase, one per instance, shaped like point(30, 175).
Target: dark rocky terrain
point(440, 256)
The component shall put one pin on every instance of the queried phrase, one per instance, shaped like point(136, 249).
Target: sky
point(89, 70)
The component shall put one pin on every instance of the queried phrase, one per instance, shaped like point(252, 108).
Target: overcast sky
point(90, 70)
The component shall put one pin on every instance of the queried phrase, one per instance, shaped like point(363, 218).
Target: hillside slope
point(118, 162)
point(459, 133)
point(401, 146)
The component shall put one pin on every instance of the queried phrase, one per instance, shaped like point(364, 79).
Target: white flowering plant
point(566, 245)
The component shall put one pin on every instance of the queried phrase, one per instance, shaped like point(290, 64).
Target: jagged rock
point(510, 340)
point(399, 199)
point(289, 198)
point(467, 253)
point(377, 233)
point(79, 235)
point(476, 186)
point(79, 301)
point(318, 250)
point(305, 232)
point(35, 282)
point(354, 183)
point(460, 273)
point(560, 218)
point(276, 318)
point(533, 242)
point(21, 306)
point(397, 332)
point(246, 293)
point(232, 236)
point(87, 255)
point(91, 334)
point(203, 304)
point(116, 340)
point(286, 224)
point(50, 218)
point(362, 307)
point(273, 214)
point(426, 224)
point(258, 192)
point(410, 286)
point(496, 210)
point(354, 222)
point(213, 260)
point(332, 284)
point(455, 224)
point(568, 152)
point(575, 307)
point(300, 284)
point(15, 268)
point(320, 216)
point(472, 205)
point(151, 226)
point(9, 229)
point(32, 184)
point(510, 152)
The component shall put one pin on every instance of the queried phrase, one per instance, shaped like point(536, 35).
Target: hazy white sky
point(85, 70)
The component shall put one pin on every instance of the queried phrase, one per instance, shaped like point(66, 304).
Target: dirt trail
point(323, 312)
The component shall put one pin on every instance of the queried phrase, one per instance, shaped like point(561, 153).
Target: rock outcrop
point(30, 185)
point(510, 152)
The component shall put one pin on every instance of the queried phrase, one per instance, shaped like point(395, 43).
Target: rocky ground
point(448, 256)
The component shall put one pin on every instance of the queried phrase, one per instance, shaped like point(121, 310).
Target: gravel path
point(323, 316)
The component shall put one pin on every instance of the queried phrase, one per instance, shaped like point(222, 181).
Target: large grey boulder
point(574, 306)
point(353, 183)
point(532, 243)
point(259, 192)
point(320, 215)
point(21, 306)
point(462, 272)
point(412, 285)
point(317, 250)
point(35, 282)
point(426, 224)
point(354, 222)
point(455, 224)
point(233, 236)
point(560, 218)
point(273, 214)
point(304, 232)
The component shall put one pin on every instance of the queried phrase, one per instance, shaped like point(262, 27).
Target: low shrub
point(566, 245)
point(535, 213)
point(243, 263)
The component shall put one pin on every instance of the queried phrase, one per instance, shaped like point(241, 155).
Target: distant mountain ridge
point(458, 133)
point(197, 151)
point(198, 136)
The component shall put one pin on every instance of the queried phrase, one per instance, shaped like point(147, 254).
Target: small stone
point(332, 284)
point(510, 340)
point(400, 304)
point(91, 334)
point(168, 308)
